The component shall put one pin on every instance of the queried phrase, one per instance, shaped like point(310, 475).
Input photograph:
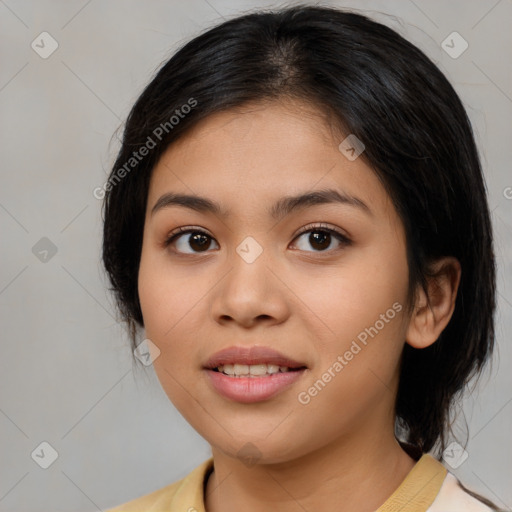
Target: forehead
point(253, 155)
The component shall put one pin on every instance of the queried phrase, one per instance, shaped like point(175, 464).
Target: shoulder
point(453, 497)
point(183, 493)
point(159, 498)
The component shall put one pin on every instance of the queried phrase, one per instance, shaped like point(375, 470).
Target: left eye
point(321, 239)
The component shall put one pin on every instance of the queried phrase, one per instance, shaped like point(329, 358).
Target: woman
point(297, 218)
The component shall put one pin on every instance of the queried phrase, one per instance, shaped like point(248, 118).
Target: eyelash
point(323, 228)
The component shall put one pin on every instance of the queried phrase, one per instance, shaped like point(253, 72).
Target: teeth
point(228, 369)
point(253, 370)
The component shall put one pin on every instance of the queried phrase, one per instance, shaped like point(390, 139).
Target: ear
point(433, 312)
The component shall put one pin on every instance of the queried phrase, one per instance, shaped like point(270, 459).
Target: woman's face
point(263, 272)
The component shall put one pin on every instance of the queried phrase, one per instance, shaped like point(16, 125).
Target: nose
point(250, 293)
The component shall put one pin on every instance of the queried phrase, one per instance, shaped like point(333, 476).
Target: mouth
point(252, 374)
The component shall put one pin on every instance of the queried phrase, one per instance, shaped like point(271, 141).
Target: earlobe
point(432, 313)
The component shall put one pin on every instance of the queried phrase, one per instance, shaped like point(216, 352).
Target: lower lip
point(253, 389)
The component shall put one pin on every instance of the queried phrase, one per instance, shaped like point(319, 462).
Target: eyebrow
point(281, 208)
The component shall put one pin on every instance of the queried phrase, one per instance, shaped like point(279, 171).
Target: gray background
point(66, 373)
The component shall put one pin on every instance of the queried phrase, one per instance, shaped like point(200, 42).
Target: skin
point(337, 452)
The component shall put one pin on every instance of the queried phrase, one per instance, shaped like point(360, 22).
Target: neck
point(350, 474)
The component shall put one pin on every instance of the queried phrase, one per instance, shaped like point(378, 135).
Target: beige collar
point(415, 494)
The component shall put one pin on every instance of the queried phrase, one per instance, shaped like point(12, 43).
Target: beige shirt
point(428, 487)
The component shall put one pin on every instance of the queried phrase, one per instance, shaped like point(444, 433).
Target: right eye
point(196, 239)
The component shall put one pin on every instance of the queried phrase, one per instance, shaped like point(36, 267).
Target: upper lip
point(251, 355)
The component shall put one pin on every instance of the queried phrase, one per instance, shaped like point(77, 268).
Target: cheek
point(154, 296)
point(166, 303)
point(173, 304)
point(352, 295)
point(166, 294)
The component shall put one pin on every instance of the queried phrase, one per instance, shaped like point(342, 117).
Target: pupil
point(319, 237)
point(202, 245)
